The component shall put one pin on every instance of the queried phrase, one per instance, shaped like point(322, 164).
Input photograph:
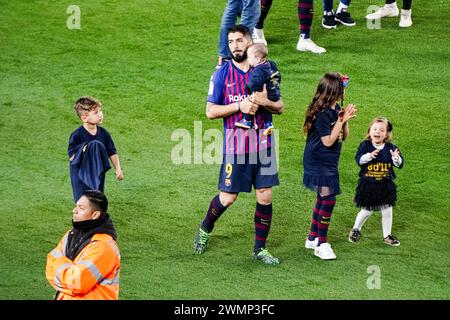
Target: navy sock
point(327, 5)
point(407, 4)
point(314, 220)
point(214, 212)
point(265, 8)
point(305, 16)
point(325, 212)
point(263, 220)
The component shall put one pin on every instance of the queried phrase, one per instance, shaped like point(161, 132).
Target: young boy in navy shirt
point(90, 149)
point(264, 72)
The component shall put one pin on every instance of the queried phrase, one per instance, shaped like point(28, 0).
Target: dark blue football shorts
point(239, 172)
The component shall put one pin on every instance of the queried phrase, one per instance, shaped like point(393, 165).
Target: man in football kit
point(248, 156)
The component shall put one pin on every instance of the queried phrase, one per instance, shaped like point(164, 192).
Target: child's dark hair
point(328, 92)
point(97, 200)
point(388, 128)
point(86, 104)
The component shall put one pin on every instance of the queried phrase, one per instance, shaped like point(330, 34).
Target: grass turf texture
point(149, 62)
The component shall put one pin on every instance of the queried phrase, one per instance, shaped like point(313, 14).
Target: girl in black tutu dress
point(376, 189)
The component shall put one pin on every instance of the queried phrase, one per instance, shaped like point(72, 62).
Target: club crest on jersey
point(228, 182)
point(211, 88)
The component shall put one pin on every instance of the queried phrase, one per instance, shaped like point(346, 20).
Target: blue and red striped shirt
point(227, 85)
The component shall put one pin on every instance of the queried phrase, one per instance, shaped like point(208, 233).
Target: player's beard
point(239, 57)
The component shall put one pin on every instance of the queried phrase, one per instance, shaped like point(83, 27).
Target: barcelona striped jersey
point(227, 85)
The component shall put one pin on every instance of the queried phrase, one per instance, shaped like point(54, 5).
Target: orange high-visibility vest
point(93, 275)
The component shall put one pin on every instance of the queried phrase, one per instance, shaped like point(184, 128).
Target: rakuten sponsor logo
point(237, 98)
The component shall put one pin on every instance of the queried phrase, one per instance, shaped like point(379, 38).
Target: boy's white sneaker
point(405, 19)
point(309, 45)
point(324, 252)
point(311, 244)
point(258, 36)
point(388, 10)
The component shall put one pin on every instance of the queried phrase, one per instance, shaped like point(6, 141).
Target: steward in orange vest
point(86, 263)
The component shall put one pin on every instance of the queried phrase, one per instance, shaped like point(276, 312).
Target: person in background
point(305, 11)
point(86, 263)
point(249, 10)
point(90, 149)
point(390, 9)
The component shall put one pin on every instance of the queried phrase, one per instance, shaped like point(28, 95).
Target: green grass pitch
point(149, 62)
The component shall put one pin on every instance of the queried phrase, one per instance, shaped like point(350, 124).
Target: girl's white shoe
point(324, 252)
point(405, 19)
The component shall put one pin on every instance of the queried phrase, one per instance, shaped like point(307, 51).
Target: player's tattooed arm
point(214, 111)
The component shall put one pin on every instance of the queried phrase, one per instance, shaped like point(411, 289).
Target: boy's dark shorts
point(239, 172)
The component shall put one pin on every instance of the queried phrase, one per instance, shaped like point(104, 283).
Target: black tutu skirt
point(375, 195)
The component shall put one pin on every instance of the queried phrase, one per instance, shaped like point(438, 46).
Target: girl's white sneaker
point(324, 252)
point(405, 19)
